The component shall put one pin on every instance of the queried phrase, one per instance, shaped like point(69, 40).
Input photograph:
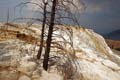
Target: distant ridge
point(114, 35)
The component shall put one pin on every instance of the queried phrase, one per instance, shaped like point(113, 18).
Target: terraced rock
point(76, 54)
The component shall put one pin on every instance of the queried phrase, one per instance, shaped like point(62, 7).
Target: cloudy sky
point(101, 15)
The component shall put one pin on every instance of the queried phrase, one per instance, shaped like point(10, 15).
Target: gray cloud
point(102, 15)
point(78, 3)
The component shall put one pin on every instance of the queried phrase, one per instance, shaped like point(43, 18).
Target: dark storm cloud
point(102, 15)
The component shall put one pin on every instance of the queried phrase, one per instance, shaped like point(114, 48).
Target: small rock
point(36, 74)
point(111, 65)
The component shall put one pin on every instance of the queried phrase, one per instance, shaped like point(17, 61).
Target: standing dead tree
point(43, 27)
point(60, 11)
point(49, 37)
point(55, 12)
point(44, 12)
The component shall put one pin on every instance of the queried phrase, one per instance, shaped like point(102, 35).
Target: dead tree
point(49, 38)
point(43, 7)
point(43, 27)
point(60, 11)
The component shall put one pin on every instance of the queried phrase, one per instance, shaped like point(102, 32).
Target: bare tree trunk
point(49, 38)
point(42, 33)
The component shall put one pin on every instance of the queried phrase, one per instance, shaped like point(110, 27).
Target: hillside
point(114, 44)
point(76, 54)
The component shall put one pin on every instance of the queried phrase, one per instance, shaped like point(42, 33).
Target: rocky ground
point(76, 54)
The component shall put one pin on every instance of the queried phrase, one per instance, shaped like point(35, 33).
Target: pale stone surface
point(50, 76)
point(93, 58)
point(24, 77)
point(25, 66)
point(8, 75)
